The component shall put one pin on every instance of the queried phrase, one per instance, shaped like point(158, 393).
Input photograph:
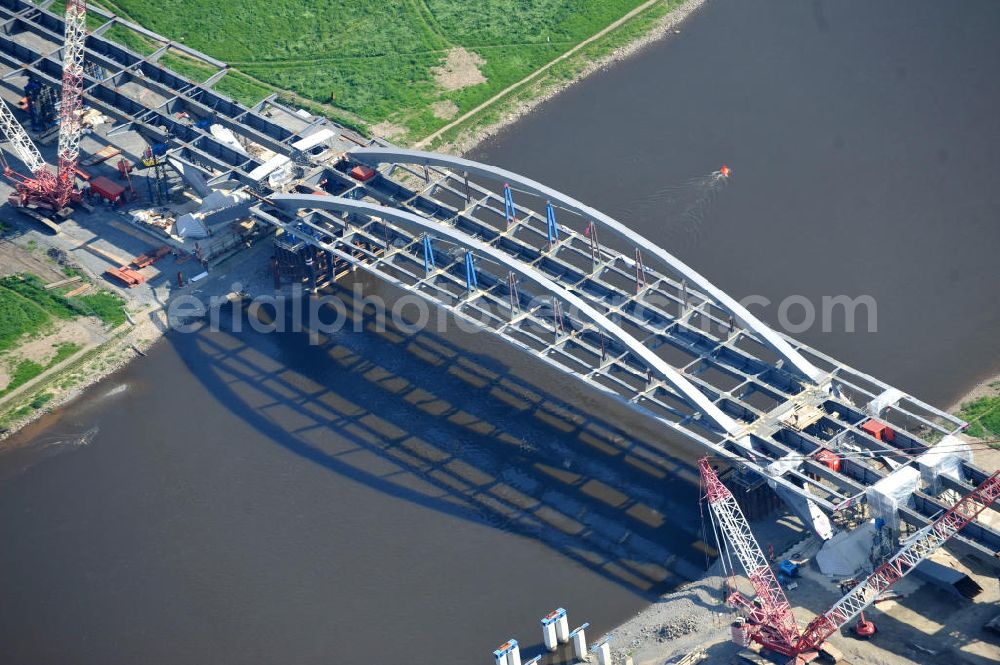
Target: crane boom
point(20, 142)
point(917, 548)
point(772, 613)
point(70, 128)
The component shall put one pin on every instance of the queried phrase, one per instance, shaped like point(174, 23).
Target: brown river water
point(381, 498)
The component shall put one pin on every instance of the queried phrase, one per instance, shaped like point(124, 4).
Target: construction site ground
point(107, 236)
point(927, 626)
point(110, 226)
point(25, 248)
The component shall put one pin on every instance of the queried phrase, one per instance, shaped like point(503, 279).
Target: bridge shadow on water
point(420, 418)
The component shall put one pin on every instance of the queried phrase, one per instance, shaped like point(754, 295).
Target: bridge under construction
point(584, 293)
point(546, 273)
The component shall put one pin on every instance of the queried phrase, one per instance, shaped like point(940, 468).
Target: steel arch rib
point(375, 156)
point(658, 366)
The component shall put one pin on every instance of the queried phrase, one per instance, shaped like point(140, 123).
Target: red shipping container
point(830, 458)
point(879, 430)
point(106, 189)
point(362, 173)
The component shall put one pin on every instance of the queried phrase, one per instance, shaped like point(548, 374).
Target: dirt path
point(47, 374)
point(82, 332)
point(14, 259)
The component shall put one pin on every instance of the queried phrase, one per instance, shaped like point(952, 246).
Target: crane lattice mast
point(44, 187)
point(921, 545)
point(21, 143)
point(774, 624)
point(41, 179)
point(771, 614)
point(70, 127)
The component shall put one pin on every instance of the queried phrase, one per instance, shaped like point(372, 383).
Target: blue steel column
point(428, 255)
point(552, 229)
point(510, 212)
point(470, 272)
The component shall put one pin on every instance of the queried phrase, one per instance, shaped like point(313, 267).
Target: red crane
point(771, 614)
point(772, 623)
point(70, 126)
point(917, 548)
point(44, 188)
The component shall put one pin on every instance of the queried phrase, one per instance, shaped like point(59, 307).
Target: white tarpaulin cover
point(189, 226)
point(313, 139)
point(944, 459)
point(887, 495)
point(887, 398)
point(268, 167)
point(226, 135)
point(217, 200)
point(847, 552)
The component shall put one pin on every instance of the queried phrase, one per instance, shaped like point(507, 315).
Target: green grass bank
point(402, 68)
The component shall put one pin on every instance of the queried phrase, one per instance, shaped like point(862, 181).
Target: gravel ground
point(687, 621)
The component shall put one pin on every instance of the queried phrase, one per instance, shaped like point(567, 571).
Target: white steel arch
point(25, 149)
point(659, 368)
point(391, 155)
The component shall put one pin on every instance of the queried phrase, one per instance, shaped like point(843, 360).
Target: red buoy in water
point(724, 171)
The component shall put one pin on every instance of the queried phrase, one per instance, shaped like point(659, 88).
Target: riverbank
point(989, 387)
point(148, 322)
point(656, 21)
point(981, 399)
point(65, 382)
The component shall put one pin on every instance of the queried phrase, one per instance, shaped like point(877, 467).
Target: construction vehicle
point(43, 188)
point(772, 624)
point(151, 155)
